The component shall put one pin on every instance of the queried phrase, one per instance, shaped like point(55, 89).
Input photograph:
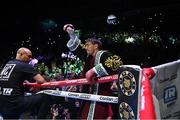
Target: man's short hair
point(94, 41)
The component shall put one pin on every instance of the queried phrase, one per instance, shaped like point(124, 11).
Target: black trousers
point(13, 110)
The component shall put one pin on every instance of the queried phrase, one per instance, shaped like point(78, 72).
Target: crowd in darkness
point(144, 52)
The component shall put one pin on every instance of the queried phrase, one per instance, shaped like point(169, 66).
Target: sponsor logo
point(172, 77)
point(174, 115)
point(125, 111)
point(73, 94)
point(116, 100)
point(6, 91)
point(85, 96)
point(6, 72)
point(170, 94)
point(57, 92)
point(127, 83)
point(52, 92)
point(106, 98)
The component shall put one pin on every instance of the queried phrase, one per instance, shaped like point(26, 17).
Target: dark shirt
point(12, 76)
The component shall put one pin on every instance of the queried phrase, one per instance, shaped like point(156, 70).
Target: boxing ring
point(134, 99)
point(143, 93)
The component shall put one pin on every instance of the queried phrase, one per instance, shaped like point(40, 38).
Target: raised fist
point(74, 41)
point(68, 28)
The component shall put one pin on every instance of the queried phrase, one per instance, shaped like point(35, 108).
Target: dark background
point(24, 21)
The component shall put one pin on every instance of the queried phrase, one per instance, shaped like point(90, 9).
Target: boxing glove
point(69, 28)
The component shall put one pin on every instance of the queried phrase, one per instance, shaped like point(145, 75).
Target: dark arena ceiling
point(22, 19)
point(28, 14)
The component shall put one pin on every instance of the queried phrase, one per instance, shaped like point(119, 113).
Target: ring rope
point(83, 96)
point(73, 82)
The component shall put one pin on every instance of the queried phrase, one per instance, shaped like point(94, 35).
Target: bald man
point(12, 100)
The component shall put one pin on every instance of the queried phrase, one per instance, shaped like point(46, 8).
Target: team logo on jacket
point(127, 83)
point(125, 111)
point(113, 62)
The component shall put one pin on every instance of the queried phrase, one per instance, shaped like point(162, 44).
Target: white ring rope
point(83, 96)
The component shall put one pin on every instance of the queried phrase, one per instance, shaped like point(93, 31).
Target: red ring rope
point(73, 82)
